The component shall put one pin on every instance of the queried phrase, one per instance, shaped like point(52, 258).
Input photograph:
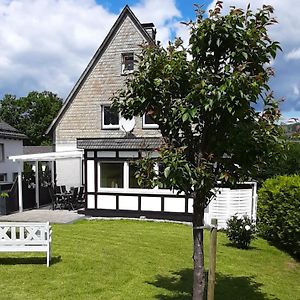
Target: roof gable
point(126, 12)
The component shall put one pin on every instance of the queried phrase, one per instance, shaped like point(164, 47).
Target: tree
point(203, 98)
point(31, 115)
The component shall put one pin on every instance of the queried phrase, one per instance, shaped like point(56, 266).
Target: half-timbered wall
point(157, 203)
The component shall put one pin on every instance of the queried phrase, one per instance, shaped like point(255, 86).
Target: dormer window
point(127, 63)
point(110, 118)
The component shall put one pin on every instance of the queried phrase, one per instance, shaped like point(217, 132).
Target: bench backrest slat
point(19, 231)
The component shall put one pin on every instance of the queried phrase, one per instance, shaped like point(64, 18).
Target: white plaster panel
point(90, 201)
point(68, 172)
point(106, 202)
point(90, 176)
point(128, 202)
point(151, 203)
point(174, 204)
point(190, 205)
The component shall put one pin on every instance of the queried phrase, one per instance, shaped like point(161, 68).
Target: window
point(111, 175)
point(110, 118)
point(3, 177)
point(2, 152)
point(14, 176)
point(148, 122)
point(127, 63)
point(133, 183)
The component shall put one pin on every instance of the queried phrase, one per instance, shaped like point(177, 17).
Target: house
point(11, 143)
point(111, 143)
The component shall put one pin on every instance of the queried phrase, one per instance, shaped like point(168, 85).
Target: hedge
point(278, 212)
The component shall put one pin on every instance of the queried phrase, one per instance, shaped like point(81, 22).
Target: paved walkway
point(44, 215)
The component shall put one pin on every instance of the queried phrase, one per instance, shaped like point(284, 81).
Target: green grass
point(142, 260)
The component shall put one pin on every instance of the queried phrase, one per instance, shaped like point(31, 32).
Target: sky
point(46, 44)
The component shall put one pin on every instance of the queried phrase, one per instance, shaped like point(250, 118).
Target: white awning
point(50, 156)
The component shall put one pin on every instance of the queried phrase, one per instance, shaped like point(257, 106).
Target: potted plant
point(4, 198)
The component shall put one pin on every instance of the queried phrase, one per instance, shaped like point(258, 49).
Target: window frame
point(148, 126)
point(125, 71)
point(2, 154)
point(108, 126)
point(110, 162)
point(4, 177)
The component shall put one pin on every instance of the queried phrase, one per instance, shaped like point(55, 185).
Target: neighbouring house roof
point(37, 149)
point(125, 12)
point(9, 132)
point(119, 143)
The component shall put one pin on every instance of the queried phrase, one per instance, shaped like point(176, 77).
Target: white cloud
point(294, 54)
point(46, 45)
point(287, 32)
point(295, 90)
point(163, 14)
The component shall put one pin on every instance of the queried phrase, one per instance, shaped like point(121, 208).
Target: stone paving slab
point(44, 215)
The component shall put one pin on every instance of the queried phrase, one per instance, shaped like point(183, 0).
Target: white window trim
point(148, 126)
point(99, 173)
point(104, 126)
point(123, 70)
point(4, 177)
point(126, 177)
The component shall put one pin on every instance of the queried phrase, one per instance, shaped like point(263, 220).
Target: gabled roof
point(125, 12)
point(9, 132)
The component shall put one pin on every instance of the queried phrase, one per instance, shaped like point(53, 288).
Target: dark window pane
point(132, 180)
point(111, 175)
point(128, 62)
point(149, 119)
point(110, 117)
point(1, 152)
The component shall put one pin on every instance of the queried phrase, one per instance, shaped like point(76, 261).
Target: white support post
point(20, 186)
point(37, 194)
point(156, 170)
point(126, 175)
point(52, 172)
point(80, 171)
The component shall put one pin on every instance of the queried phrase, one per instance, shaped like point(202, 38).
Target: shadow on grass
point(227, 287)
point(230, 245)
point(28, 260)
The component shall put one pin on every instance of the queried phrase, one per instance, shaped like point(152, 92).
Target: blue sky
point(45, 45)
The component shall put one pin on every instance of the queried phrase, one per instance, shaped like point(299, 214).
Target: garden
point(124, 259)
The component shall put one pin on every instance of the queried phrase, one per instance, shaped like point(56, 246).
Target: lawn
point(142, 260)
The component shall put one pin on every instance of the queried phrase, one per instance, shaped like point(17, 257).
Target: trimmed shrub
point(240, 231)
point(279, 212)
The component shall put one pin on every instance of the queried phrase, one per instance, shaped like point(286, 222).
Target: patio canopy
point(50, 156)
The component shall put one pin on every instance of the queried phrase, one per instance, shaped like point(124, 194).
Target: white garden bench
point(26, 237)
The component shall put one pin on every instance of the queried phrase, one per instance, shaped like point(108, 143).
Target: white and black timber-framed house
point(86, 122)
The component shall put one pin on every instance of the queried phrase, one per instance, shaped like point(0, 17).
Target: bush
point(279, 212)
point(240, 231)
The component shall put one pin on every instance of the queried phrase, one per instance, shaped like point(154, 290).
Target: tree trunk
point(198, 256)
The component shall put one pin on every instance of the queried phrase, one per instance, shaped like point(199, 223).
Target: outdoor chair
point(56, 199)
point(57, 189)
point(63, 189)
point(72, 199)
point(80, 198)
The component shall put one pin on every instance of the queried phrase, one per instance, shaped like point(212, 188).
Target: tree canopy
point(203, 98)
point(31, 114)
